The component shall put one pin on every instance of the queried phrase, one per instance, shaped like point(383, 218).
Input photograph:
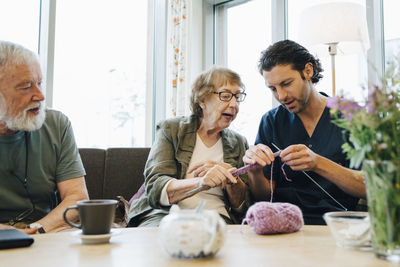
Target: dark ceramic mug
point(96, 216)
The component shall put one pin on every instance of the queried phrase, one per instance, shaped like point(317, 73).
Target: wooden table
point(312, 246)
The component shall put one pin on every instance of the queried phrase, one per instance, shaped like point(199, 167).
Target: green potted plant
point(373, 128)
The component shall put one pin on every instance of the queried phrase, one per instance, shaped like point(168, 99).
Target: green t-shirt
point(53, 157)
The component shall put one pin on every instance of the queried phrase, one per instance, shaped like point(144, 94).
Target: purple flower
point(348, 106)
point(370, 106)
point(347, 116)
point(332, 102)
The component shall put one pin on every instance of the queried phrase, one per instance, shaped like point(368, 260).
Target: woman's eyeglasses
point(227, 96)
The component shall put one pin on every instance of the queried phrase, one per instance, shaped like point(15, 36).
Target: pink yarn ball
point(271, 218)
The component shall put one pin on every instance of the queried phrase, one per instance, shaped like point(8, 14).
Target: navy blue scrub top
point(283, 128)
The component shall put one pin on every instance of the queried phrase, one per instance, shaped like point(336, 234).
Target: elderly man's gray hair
point(15, 54)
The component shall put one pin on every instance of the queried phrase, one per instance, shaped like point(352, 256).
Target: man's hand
point(30, 231)
point(71, 191)
point(299, 158)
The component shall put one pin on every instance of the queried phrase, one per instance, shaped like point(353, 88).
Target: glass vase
point(383, 198)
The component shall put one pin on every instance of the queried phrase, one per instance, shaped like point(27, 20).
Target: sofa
point(113, 172)
point(116, 172)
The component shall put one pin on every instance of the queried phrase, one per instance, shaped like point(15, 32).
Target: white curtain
point(178, 86)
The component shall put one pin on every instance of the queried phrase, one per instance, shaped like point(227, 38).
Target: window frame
point(155, 89)
point(208, 50)
point(46, 46)
point(215, 33)
point(374, 9)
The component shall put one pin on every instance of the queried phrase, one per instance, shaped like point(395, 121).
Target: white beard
point(22, 122)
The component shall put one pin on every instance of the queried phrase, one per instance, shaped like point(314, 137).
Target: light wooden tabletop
point(311, 246)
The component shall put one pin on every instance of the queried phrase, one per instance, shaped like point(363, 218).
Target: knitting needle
point(236, 173)
point(309, 177)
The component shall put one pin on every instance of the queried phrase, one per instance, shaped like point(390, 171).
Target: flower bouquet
point(373, 130)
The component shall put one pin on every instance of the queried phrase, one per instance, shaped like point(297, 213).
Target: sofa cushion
point(93, 160)
point(123, 171)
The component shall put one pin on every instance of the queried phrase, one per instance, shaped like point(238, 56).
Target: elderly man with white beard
point(41, 172)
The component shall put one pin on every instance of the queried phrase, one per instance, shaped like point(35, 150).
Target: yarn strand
point(271, 218)
point(277, 154)
point(309, 177)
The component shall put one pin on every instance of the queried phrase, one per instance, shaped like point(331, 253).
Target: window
point(391, 29)
point(100, 70)
point(248, 32)
point(351, 69)
point(244, 28)
point(101, 57)
point(20, 25)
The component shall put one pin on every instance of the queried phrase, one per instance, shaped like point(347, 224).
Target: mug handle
point(69, 222)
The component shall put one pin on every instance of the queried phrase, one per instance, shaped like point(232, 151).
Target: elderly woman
point(198, 150)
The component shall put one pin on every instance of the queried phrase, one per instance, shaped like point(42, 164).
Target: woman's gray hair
point(209, 81)
point(13, 54)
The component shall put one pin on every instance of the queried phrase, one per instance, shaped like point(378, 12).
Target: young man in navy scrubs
point(302, 128)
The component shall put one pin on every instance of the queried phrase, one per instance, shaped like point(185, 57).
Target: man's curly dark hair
point(289, 52)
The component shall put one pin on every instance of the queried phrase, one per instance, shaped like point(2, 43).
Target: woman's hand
point(299, 158)
point(201, 168)
point(215, 174)
point(218, 175)
point(260, 154)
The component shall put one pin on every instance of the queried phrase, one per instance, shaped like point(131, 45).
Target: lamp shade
point(343, 23)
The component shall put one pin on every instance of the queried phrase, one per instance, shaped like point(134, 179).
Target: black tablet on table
point(12, 238)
